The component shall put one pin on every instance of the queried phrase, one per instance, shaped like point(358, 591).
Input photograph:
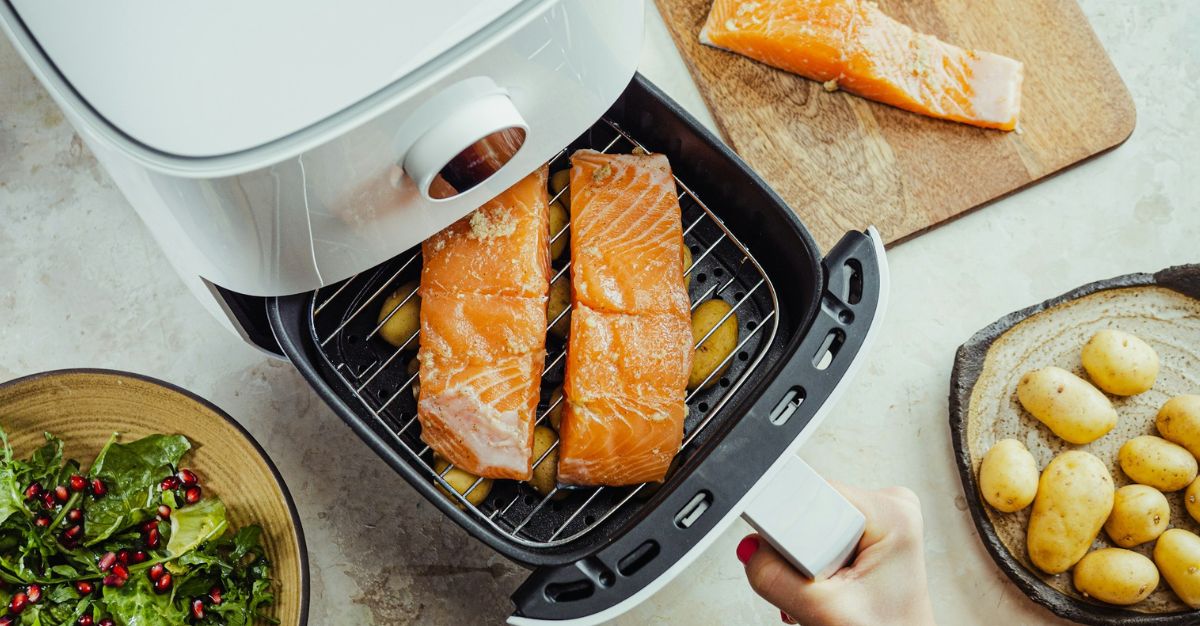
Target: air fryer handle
point(817, 538)
point(725, 480)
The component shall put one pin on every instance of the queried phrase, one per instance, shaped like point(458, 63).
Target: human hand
point(885, 584)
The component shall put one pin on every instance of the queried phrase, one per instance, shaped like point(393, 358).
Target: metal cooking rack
point(517, 512)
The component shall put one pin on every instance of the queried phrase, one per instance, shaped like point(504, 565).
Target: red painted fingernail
point(787, 619)
point(746, 548)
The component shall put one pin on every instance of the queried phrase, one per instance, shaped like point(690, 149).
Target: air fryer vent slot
point(570, 592)
point(639, 558)
point(787, 406)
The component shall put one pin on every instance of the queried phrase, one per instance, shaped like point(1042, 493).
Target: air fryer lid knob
point(467, 146)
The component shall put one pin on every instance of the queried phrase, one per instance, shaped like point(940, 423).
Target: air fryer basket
point(801, 319)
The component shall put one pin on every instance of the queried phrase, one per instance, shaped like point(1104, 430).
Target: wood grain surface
point(843, 162)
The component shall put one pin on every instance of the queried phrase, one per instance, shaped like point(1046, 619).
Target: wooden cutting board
point(843, 162)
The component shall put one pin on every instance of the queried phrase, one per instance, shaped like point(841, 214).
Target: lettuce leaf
point(132, 472)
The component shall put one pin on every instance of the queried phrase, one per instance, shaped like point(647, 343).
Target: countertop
point(83, 284)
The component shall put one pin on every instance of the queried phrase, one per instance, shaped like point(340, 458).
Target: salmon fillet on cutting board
point(630, 347)
point(853, 46)
point(484, 284)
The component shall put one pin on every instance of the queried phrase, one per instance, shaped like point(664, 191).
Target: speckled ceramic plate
point(84, 407)
point(1164, 310)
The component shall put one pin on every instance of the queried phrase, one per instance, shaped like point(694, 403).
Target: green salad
point(130, 541)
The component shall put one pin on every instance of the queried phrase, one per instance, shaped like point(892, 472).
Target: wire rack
point(347, 319)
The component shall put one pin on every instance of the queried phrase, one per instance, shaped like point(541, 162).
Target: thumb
point(774, 579)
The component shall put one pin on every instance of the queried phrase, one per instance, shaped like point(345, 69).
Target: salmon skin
point(630, 347)
point(484, 285)
point(853, 46)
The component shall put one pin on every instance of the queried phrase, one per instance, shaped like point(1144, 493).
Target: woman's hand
point(885, 584)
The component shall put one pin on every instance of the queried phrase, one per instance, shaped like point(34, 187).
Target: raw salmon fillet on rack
point(484, 284)
point(630, 347)
point(853, 46)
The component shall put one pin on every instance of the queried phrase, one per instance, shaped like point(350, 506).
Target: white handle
point(806, 520)
point(460, 129)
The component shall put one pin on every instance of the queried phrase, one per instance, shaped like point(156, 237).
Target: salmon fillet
point(484, 285)
point(630, 347)
point(853, 46)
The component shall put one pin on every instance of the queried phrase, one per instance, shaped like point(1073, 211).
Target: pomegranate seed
point(61, 494)
point(149, 525)
point(85, 620)
point(192, 495)
point(113, 581)
point(34, 490)
point(140, 556)
point(7, 620)
point(120, 571)
point(123, 556)
point(188, 477)
point(75, 516)
point(164, 511)
point(169, 483)
point(152, 538)
point(84, 587)
point(78, 483)
point(42, 520)
point(163, 584)
point(106, 622)
point(99, 488)
point(156, 571)
point(198, 608)
point(49, 500)
point(73, 533)
point(214, 594)
point(107, 561)
point(34, 591)
point(20, 600)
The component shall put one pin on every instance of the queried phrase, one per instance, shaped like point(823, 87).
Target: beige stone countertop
point(83, 285)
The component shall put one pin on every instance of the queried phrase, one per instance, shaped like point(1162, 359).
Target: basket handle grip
point(806, 520)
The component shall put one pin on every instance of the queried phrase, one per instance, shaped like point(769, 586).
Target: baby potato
point(1120, 363)
point(413, 367)
point(714, 351)
point(1154, 461)
point(1074, 498)
point(1177, 555)
point(1139, 514)
point(461, 481)
point(1116, 576)
point(1008, 476)
point(545, 475)
point(406, 321)
point(559, 301)
point(558, 181)
point(555, 416)
point(1068, 405)
point(1191, 499)
point(558, 228)
point(687, 265)
point(1178, 421)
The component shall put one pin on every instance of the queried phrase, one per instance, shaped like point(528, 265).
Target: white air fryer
point(280, 151)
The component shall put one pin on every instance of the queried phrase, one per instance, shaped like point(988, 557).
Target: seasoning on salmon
point(853, 46)
point(483, 332)
point(630, 347)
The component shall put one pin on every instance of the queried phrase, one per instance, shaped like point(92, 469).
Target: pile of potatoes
point(1074, 498)
point(713, 320)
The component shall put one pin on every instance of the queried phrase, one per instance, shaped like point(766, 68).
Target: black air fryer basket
point(802, 319)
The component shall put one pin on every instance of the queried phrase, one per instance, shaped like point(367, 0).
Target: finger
point(774, 579)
